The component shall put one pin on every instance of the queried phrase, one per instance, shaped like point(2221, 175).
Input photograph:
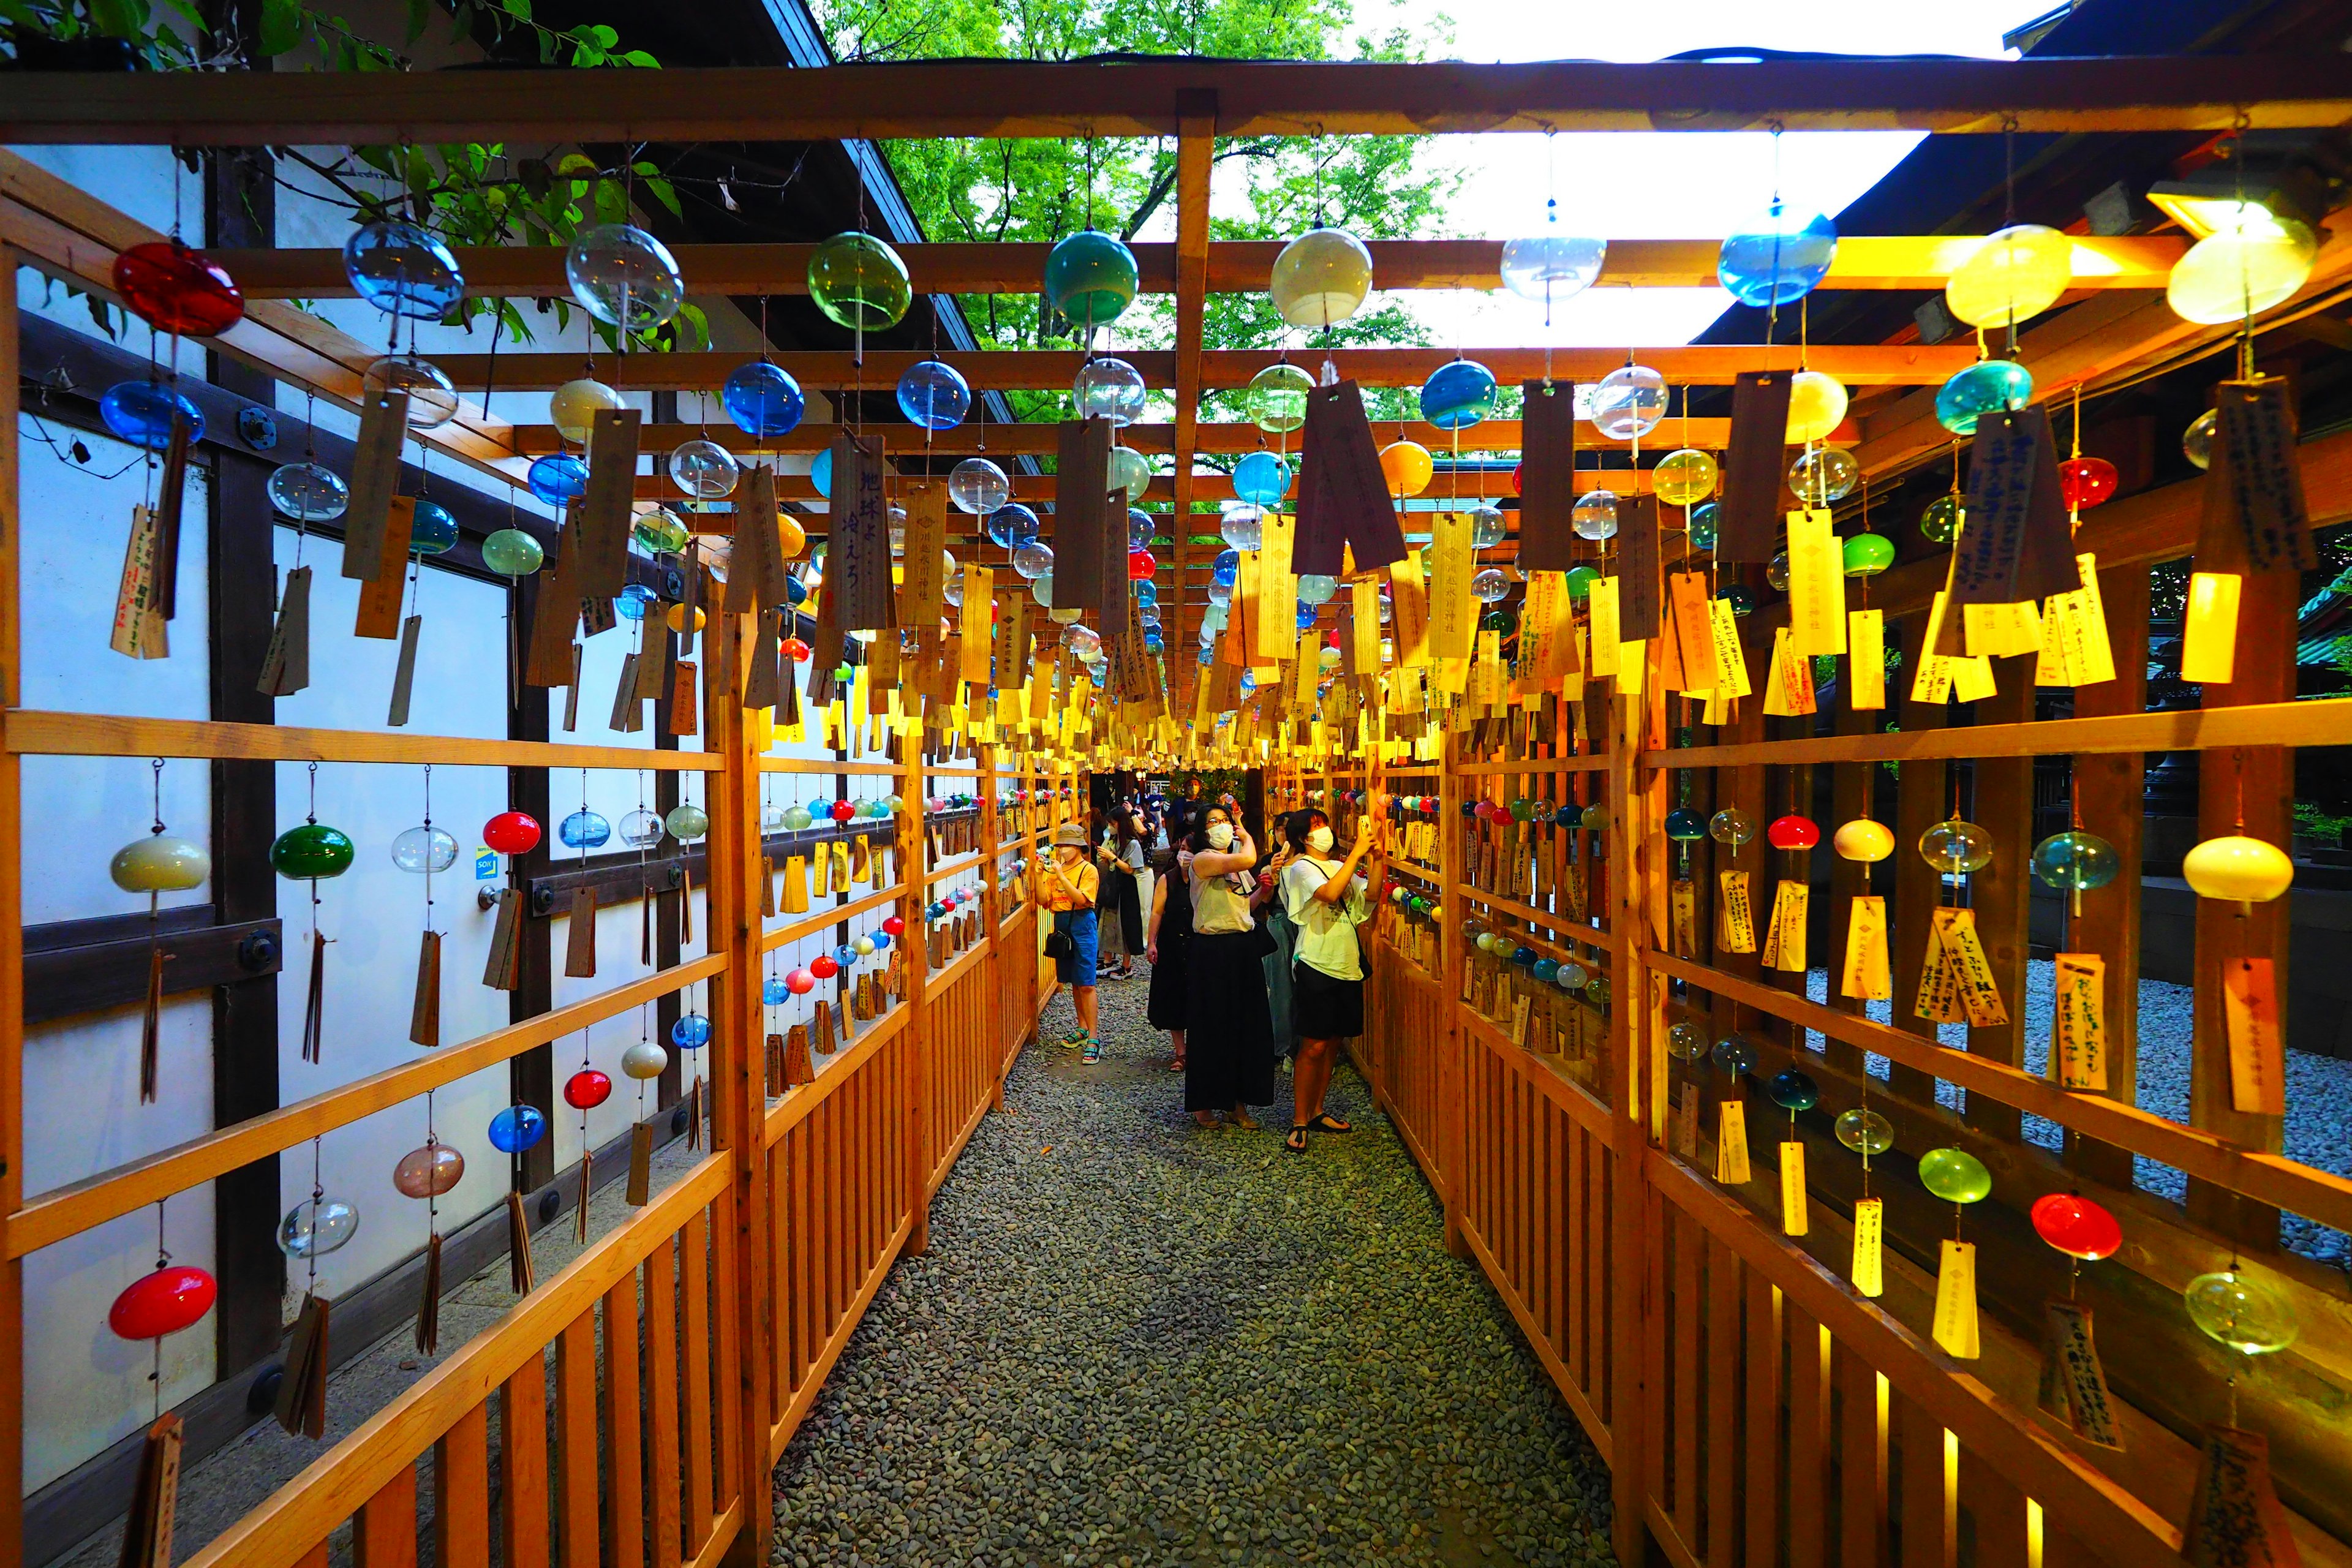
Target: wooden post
point(914, 894)
point(1631, 729)
point(2110, 795)
point(1450, 959)
point(739, 1062)
point(992, 913)
point(12, 952)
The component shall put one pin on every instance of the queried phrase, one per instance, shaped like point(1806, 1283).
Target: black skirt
point(1229, 1052)
point(1171, 975)
point(1323, 1008)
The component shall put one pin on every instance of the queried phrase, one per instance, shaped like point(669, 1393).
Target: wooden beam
point(68, 233)
point(2154, 525)
point(1002, 97)
point(1037, 490)
point(1195, 144)
point(1700, 365)
point(1220, 439)
point(1233, 266)
point(2116, 336)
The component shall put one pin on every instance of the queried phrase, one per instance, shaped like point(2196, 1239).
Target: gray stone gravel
point(1133, 1343)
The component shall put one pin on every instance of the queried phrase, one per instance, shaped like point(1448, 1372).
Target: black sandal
point(1296, 1141)
point(1325, 1122)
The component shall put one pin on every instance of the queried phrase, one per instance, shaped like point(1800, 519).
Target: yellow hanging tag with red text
point(1731, 1143)
point(2250, 1016)
point(1784, 935)
point(1869, 1242)
point(1865, 632)
point(1734, 920)
point(1816, 585)
point(1956, 1300)
point(1868, 976)
point(1796, 1218)
point(2078, 1022)
point(1601, 605)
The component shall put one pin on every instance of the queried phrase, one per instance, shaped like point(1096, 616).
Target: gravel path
point(1136, 1343)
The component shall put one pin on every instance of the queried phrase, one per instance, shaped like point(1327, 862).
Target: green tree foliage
point(470, 194)
point(1039, 190)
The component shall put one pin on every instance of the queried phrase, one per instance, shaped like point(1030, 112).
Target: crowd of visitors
point(1253, 949)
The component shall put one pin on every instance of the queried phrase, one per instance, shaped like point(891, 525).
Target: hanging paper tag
point(2209, 637)
point(2257, 473)
point(1956, 1300)
point(2074, 1385)
point(2235, 1519)
point(1784, 935)
point(1868, 976)
point(1547, 479)
point(1601, 607)
point(1796, 1214)
point(857, 594)
point(1731, 662)
point(1965, 982)
point(2001, 631)
point(1453, 611)
point(1694, 632)
point(403, 673)
point(600, 518)
point(2078, 1024)
point(1546, 630)
point(1640, 608)
point(1869, 1240)
point(1734, 920)
point(1731, 1143)
point(500, 969)
point(1866, 675)
point(1790, 689)
point(1816, 585)
point(424, 1010)
point(140, 630)
point(1753, 468)
point(2250, 1013)
point(1687, 1122)
point(1683, 896)
point(375, 474)
point(155, 1497)
point(580, 951)
point(285, 668)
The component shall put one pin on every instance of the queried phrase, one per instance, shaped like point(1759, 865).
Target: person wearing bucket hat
point(1067, 886)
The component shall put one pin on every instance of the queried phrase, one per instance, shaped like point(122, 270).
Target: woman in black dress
point(1167, 947)
point(1229, 1032)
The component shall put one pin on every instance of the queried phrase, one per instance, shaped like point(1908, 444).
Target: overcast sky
point(1659, 186)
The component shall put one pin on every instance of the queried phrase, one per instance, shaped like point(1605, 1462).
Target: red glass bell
point(175, 289)
point(587, 1089)
point(511, 833)
point(1792, 832)
point(894, 925)
point(842, 811)
point(2086, 482)
point(1514, 477)
point(2076, 1227)
point(800, 983)
point(824, 967)
point(795, 649)
point(163, 1302)
point(1140, 565)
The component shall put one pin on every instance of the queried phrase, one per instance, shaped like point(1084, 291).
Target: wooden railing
point(642, 1397)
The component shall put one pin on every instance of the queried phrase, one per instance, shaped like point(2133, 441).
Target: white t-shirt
point(1326, 933)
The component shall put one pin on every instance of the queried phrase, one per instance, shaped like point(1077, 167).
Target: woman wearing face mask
point(1327, 902)
point(1229, 1035)
point(1067, 887)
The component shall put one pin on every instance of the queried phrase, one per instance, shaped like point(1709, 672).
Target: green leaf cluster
point(1040, 189)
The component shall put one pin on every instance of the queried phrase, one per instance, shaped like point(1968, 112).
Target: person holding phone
point(1066, 886)
point(1325, 900)
point(1229, 1032)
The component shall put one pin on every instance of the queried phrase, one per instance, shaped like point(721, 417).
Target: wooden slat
point(2110, 789)
point(1809, 1434)
point(385, 1534)
point(575, 1443)
point(1862, 1460)
point(1008, 98)
point(32, 731)
point(1761, 1447)
point(1725, 1282)
point(1227, 267)
point(385, 1445)
point(624, 1498)
point(523, 1490)
point(1930, 1489)
point(698, 1413)
point(1700, 365)
point(2322, 721)
point(2270, 1178)
point(661, 1358)
point(69, 1210)
point(461, 1492)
